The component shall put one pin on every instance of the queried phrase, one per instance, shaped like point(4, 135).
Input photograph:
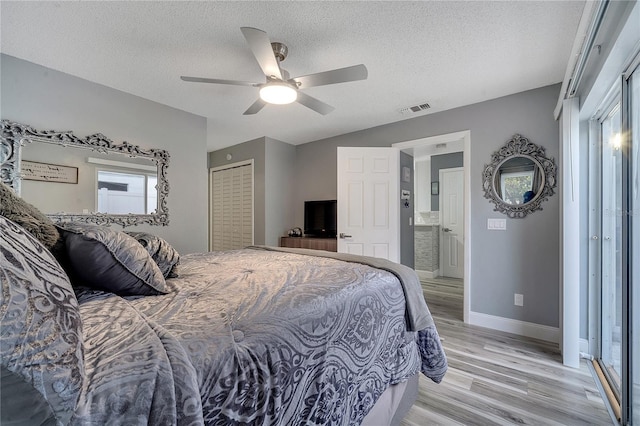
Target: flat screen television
point(320, 218)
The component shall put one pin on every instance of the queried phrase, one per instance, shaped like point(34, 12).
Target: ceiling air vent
point(414, 109)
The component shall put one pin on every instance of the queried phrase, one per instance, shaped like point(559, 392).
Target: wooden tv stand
point(328, 244)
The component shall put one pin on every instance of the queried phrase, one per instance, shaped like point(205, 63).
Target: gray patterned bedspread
point(252, 337)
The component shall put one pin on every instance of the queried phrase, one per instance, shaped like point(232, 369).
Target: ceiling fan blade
point(340, 75)
point(314, 104)
point(218, 81)
point(255, 107)
point(261, 47)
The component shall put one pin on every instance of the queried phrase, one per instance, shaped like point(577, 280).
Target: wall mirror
point(91, 179)
point(519, 178)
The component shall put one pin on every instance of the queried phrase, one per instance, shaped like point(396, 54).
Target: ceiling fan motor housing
point(280, 51)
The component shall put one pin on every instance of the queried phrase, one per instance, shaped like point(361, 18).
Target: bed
point(260, 335)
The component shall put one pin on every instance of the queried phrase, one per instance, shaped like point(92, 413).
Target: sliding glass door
point(633, 89)
point(607, 82)
point(617, 204)
point(611, 247)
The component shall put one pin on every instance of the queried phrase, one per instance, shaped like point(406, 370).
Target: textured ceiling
point(448, 54)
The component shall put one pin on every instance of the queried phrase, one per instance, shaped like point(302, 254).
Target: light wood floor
point(497, 378)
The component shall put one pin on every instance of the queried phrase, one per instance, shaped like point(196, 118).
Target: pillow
point(41, 336)
point(165, 256)
point(109, 260)
point(29, 217)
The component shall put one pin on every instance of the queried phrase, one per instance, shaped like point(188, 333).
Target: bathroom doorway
point(431, 156)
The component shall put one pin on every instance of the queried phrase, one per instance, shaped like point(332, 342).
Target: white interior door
point(369, 202)
point(452, 222)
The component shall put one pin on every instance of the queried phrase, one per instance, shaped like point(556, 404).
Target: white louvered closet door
point(232, 208)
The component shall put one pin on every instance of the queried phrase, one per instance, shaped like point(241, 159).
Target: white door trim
point(231, 166)
point(465, 135)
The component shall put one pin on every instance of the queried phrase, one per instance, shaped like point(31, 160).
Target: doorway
point(615, 242)
point(422, 150)
point(231, 206)
point(452, 222)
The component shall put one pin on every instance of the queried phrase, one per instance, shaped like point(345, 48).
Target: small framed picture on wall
point(435, 188)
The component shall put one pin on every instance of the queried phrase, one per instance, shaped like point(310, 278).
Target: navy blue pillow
point(109, 260)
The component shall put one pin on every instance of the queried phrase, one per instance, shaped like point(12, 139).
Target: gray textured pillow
point(29, 217)
point(109, 260)
point(165, 256)
point(41, 339)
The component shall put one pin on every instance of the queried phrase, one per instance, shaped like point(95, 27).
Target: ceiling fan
point(279, 88)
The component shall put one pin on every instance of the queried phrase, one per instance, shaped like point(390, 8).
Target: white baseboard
point(522, 328)
point(427, 275)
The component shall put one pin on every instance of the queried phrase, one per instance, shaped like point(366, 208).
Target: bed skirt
point(393, 404)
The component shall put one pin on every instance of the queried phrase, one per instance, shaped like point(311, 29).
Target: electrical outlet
point(518, 299)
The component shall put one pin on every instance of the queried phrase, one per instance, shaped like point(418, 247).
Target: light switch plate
point(497, 224)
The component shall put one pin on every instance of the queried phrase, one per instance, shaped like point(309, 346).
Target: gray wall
point(273, 168)
point(280, 180)
point(524, 258)
point(438, 162)
point(251, 150)
point(48, 99)
point(406, 215)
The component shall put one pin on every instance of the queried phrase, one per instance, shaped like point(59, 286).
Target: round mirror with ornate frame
point(519, 178)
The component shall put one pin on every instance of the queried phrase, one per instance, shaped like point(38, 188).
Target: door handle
point(446, 230)
point(343, 235)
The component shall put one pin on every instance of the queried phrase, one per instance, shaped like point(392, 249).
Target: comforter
point(254, 336)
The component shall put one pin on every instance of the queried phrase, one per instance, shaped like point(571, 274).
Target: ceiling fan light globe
point(278, 93)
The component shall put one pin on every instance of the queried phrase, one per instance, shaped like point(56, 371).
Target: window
point(518, 180)
point(514, 184)
point(127, 192)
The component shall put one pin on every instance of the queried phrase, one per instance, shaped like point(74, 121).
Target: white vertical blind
point(570, 233)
